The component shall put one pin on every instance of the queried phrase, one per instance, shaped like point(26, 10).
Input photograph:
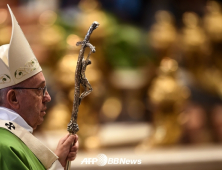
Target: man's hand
point(64, 150)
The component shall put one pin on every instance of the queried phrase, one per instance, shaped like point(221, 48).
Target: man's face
point(32, 103)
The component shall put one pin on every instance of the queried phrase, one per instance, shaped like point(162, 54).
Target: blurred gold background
point(156, 74)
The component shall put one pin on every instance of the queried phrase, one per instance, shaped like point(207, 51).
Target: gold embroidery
point(28, 68)
point(4, 78)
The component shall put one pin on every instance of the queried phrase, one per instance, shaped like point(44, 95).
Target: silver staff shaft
point(80, 79)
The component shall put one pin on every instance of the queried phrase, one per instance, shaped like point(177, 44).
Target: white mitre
point(17, 60)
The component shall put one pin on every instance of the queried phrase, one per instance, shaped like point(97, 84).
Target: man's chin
point(39, 123)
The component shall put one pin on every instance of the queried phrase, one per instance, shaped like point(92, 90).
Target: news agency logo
point(102, 160)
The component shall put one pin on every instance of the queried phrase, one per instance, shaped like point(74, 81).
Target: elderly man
point(23, 99)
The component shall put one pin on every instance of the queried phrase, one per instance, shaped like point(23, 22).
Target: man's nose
point(47, 97)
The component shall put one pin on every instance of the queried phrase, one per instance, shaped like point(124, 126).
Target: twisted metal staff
point(80, 79)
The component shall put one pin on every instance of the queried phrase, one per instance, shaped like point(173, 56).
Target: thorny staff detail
point(80, 78)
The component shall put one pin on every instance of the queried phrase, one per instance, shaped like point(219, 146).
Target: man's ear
point(12, 99)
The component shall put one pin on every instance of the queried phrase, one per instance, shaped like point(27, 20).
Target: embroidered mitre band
point(17, 60)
